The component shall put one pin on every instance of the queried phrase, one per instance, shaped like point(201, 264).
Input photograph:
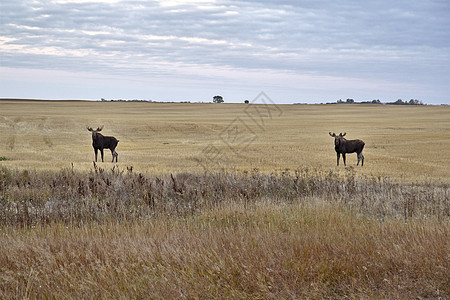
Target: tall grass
point(267, 251)
point(29, 198)
point(290, 234)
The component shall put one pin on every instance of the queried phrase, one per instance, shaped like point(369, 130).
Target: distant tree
point(415, 102)
point(350, 101)
point(340, 101)
point(376, 101)
point(246, 102)
point(399, 102)
point(218, 99)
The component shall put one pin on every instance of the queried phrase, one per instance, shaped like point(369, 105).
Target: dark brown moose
point(343, 146)
point(100, 142)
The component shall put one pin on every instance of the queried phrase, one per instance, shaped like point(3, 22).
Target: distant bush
point(3, 158)
point(377, 101)
point(218, 99)
point(410, 102)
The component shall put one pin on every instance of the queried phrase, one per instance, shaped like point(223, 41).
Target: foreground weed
point(29, 198)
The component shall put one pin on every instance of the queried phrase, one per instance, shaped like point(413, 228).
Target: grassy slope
point(409, 143)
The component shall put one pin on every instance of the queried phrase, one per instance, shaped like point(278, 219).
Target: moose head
point(100, 142)
point(337, 138)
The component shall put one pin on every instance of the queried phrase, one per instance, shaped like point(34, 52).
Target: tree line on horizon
point(219, 99)
point(377, 101)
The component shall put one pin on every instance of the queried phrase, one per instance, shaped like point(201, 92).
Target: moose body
point(100, 142)
point(343, 146)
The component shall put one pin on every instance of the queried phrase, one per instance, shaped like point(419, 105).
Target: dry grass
point(404, 143)
point(265, 251)
point(30, 198)
point(204, 205)
point(302, 234)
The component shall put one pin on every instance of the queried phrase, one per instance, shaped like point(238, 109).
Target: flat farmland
point(223, 201)
point(407, 143)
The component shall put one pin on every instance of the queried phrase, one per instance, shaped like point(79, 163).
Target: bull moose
point(100, 142)
point(343, 146)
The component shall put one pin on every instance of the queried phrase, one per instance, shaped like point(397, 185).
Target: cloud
point(318, 42)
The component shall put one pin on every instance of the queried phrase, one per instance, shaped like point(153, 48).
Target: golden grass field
point(408, 143)
point(209, 209)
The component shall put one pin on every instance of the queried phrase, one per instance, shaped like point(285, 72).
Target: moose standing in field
point(100, 142)
point(341, 145)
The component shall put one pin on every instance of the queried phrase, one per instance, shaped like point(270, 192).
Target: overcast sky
point(179, 50)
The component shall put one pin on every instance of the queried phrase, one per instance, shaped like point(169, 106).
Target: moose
point(341, 145)
point(100, 142)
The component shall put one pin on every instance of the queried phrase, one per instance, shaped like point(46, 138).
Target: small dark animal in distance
point(343, 146)
point(100, 142)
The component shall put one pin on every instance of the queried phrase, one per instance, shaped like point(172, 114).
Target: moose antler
point(100, 128)
point(89, 128)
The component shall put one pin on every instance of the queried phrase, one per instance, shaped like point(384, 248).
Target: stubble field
point(407, 143)
point(223, 201)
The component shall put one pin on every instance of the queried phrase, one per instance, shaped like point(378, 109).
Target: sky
point(304, 51)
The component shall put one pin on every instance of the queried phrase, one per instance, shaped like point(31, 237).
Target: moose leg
point(343, 158)
point(114, 155)
point(359, 158)
point(362, 159)
point(338, 156)
point(95, 151)
point(101, 152)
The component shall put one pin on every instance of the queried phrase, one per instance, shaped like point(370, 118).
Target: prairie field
point(409, 143)
point(223, 201)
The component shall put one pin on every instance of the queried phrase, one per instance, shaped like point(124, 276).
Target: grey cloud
point(362, 39)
